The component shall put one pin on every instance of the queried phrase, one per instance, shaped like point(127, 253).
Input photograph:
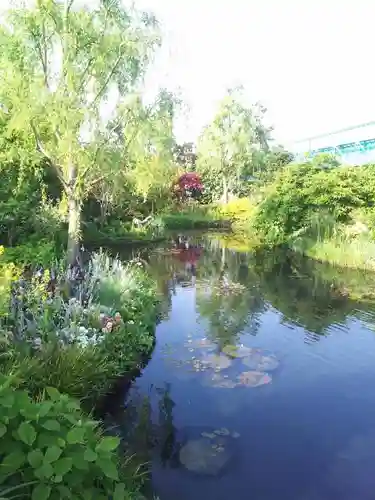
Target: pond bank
point(78, 347)
point(355, 255)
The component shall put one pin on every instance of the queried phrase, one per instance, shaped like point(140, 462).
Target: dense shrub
point(50, 450)
point(237, 209)
point(79, 345)
point(300, 191)
point(39, 253)
point(191, 220)
point(188, 185)
point(76, 345)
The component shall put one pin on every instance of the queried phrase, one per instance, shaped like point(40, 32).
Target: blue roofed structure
point(352, 145)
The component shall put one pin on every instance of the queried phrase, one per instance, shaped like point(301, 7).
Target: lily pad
point(198, 365)
point(238, 351)
point(203, 457)
point(254, 378)
point(217, 361)
point(208, 435)
point(261, 363)
point(200, 344)
point(222, 432)
point(219, 382)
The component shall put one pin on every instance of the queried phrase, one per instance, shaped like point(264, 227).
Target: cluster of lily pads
point(209, 453)
point(258, 363)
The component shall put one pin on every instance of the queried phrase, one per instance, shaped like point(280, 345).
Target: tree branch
point(48, 157)
point(96, 181)
point(69, 7)
point(92, 59)
point(84, 73)
point(110, 74)
point(89, 165)
point(42, 53)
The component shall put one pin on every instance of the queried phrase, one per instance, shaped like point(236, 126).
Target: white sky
point(311, 62)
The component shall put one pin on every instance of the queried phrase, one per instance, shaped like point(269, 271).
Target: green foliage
point(229, 146)
point(50, 450)
point(303, 192)
point(20, 194)
point(64, 343)
point(42, 252)
point(192, 220)
point(149, 153)
point(340, 249)
point(97, 51)
point(237, 210)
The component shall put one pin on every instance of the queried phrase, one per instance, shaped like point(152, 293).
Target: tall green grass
point(325, 240)
point(353, 253)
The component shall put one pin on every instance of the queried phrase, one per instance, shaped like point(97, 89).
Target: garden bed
point(76, 346)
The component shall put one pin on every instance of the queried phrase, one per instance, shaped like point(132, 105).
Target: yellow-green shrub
point(238, 209)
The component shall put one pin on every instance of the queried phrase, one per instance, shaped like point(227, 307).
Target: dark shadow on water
point(228, 316)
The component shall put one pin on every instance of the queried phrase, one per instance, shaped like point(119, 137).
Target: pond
point(261, 384)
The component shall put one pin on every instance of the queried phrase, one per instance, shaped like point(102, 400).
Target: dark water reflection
point(308, 435)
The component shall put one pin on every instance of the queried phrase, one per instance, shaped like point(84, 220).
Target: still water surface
point(262, 382)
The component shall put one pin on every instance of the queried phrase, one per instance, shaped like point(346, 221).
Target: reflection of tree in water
point(305, 292)
point(311, 294)
point(166, 428)
point(229, 300)
point(146, 423)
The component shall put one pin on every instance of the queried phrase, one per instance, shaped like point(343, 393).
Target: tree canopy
point(63, 65)
point(229, 145)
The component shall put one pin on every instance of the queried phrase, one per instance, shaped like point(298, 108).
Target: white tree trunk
point(74, 216)
point(74, 229)
point(225, 190)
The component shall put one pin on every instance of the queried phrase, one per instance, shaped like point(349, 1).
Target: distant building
point(353, 145)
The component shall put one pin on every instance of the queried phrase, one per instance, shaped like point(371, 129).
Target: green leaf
point(79, 462)
point(45, 440)
point(52, 454)
point(51, 425)
point(108, 444)
point(62, 466)
point(26, 433)
point(41, 492)
point(53, 393)
point(74, 478)
point(76, 435)
point(7, 401)
point(13, 461)
point(3, 430)
point(35, 458)
point(45, 408)
point(64, 491)
point(72, 419)
point(44, 472)
point(73, 406)
point(90, 455)
point(119, 493)
point(108, 468)
point(61, 442)
point(31, 412)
